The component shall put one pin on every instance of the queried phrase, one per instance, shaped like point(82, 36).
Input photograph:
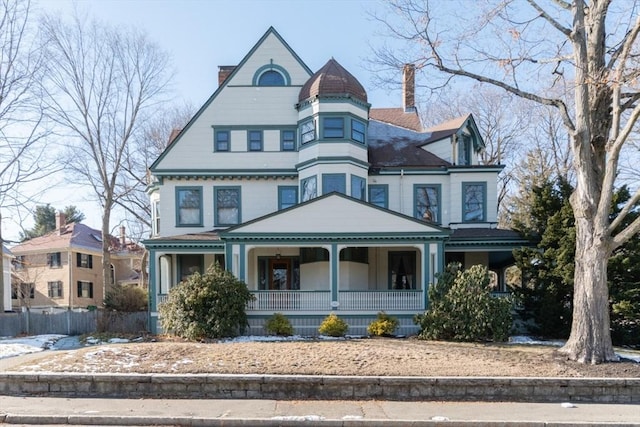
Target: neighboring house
point(63, 268)
point(7, 257)
point(317, 201)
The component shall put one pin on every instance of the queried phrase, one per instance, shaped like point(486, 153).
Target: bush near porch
point(462, 308)
point(211, 305)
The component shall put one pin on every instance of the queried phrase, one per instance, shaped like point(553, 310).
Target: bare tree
point(22, 154)
point(155, 135)
point(585, 50)
point(102, 83)
point(501, 118)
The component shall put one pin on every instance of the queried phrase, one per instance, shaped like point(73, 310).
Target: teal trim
point(440, 257)
point(243, 263)
point(153, 290)
point(271, 67)
point(270, 31)
point(254, 127)
point(216, 220)
point(469, 213)
point(358, 187)
point(417, 213)
point(177, 206)
point(333, 99)
point(287, 196)
point(332, 160)
point(379, 190)
point(184, 245)
point(334, 273)
point(229, 173)
point(334, 182)
point(439, 170)
point(308, 131)
point(228, 257)
point(426, 272)
point(255, 140)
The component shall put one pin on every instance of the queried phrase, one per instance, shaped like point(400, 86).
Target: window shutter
point(90, 289)
point(90, 261)
point(78, 259)
point(79, 289)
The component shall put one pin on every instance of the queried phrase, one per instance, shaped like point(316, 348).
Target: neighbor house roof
point(445, 129)
point(71, 235)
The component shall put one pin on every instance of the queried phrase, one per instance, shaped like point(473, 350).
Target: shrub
point(333, 326)
point(127, 298)
point(278, 324)
point(211, 305)
point(462, 308)
point(383, 325)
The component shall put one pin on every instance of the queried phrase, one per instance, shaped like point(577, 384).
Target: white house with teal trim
point(7, 258)
point(317, 201)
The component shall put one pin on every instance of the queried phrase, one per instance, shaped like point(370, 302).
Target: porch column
point(334, 274)
point(426, 272)
point(153, 290)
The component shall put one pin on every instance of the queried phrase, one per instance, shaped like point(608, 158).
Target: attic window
point(97, 237)
point(271, 75)
point(271, 78)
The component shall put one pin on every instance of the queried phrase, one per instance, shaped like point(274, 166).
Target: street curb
point(95, 420)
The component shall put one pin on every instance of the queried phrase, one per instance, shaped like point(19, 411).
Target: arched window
point(271, 78)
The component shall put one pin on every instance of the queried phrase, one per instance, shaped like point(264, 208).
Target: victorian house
point(318, 201)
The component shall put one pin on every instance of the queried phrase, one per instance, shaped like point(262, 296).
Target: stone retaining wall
point(296, 387)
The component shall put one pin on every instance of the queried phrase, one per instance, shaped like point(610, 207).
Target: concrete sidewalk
point(143, 412)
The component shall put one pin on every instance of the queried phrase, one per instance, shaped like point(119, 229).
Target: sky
point(201, 35)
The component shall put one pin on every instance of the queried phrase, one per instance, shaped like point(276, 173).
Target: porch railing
point(274, 301)
point(290, 300)
point(409, 300)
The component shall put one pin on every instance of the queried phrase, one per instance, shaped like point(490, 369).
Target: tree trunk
point(106, 254)
point(590, 339)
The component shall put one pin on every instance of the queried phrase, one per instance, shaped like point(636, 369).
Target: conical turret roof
point(332, 80)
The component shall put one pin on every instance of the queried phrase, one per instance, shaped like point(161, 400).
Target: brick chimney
point(409, 88)
point(123, 237)
point(61, 221)
point(223, 72)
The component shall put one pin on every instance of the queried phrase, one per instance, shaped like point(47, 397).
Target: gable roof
point(335, 214)
point(392, 146)
point(397, 117)
point(270, 31)
point(452, 127)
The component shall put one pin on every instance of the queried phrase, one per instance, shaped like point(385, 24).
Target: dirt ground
point(376, 356)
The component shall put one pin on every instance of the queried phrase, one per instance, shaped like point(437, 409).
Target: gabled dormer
point(457, 141)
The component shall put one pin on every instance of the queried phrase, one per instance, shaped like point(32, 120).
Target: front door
point(280, 274)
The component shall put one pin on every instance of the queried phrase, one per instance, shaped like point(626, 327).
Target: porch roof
point(487, 238)
point(206, 239)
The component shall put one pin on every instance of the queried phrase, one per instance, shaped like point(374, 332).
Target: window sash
point(287, 197)
point(255, 140)
point(222, 140)
point(309, 188)
point(378, 195)
point(227, 206)
point(333, 182)
point(474, 202)
point(84, 260)
point(54, 259)
point(357, 131)
point(54, 289)
point(358, 187)
point(307, 132)
point(288, 140)
point(333, 127)
point(189, 206)
point(85, 289)
point(428, 199)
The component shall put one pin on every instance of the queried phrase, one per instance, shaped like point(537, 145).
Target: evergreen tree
point(45, 220)
point(546, 294)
